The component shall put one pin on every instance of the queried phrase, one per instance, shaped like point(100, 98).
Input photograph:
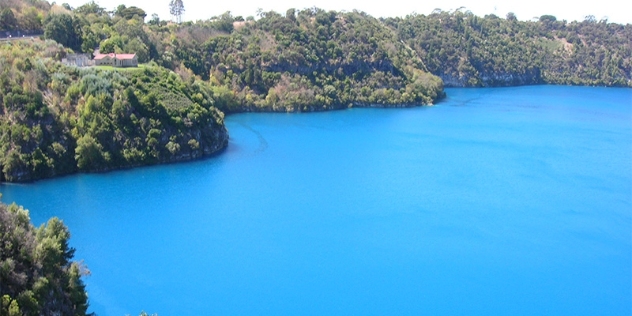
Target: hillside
point(304, 61)
point(57, 119)
point(249, 56)
point(459, 47)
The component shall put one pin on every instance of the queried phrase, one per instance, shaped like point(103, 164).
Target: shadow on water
point(263, 143)
point(459, 99)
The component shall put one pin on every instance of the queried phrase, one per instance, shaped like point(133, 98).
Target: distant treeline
point(467, 50)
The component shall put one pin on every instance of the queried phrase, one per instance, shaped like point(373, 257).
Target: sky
point(618, 11)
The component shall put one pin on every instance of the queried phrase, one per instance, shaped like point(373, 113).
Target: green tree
point(89, 40)
point(63, 29)
point(139, 48)
point(37, 276)
point(291, 14)
point(155, 19)
point(90, 8)
point(128, 13)
point(224, 22)
point(89, 153)
point(113, 44)
point(548, 18)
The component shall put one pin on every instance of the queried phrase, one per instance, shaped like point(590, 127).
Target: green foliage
point(62, 28)
point(37, 276)
point(131, 12)
point(548, 18)
point(58, 120)
point(90, 8)
point(309, 60)
point(467, 50)
point(89, 154)
point(22, 16)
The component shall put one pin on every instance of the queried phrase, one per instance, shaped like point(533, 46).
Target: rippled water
point(496, 201)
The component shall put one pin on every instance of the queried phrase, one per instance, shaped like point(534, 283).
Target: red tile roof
point(117, 56)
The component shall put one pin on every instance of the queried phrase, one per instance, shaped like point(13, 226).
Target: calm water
point(496, 201)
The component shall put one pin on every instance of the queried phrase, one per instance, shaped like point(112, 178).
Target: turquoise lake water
point(512, 201)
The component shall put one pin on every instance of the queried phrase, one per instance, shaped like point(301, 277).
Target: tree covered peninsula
point(58, 119)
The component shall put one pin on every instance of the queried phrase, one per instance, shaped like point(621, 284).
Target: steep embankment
point(57, 120)
point(467, 50)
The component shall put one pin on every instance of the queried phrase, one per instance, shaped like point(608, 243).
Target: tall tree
point(90, 8)
point(63, 29)
point(176, 8)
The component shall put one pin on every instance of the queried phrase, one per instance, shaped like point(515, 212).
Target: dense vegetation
point(37, 276)
point(25, 15)
point(304, 61)
point(56, 119)
point(466, 50)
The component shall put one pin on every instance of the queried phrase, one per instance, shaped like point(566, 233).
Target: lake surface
point(513, 201)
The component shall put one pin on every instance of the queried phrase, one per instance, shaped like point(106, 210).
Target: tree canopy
point(467, 50)
point(37, 274)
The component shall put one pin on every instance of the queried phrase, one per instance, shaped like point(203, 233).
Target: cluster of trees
point(57, 120)
point(305, 60)
point(89, 26)
point(313, 59)
point(467, 50)
point(37, 276)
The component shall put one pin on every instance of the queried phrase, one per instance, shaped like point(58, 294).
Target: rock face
point(498, 79)
point(510, 79)
point(210, 140)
